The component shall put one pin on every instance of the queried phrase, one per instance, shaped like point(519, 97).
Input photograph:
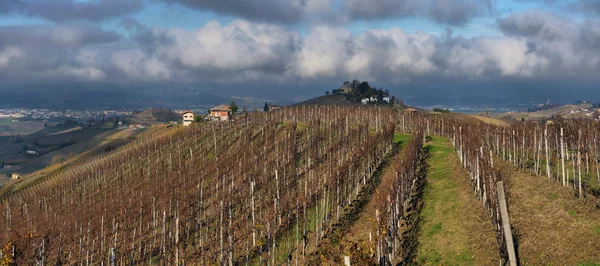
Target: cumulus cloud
point(238, 46)
point(72, 10)
point(567, 46)
point(443, 11)
point(323, 53)
point(393, 55)
point(334, 52)
point(486, 57)
point(137, 65)
point(7, 54)
point(535, 46)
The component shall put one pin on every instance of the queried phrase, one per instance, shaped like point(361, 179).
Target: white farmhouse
point(188, 118)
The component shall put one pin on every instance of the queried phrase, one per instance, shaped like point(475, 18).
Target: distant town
point(51, 115)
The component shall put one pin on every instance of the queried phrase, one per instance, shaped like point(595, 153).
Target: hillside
point(308, 185)
point(153, 116)
point(140, 178)
point(47, 144)
point(569, 111)
point(57, 144)
point(38, 169)
point(8, 127)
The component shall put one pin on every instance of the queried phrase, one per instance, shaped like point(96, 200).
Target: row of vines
point(397, 206)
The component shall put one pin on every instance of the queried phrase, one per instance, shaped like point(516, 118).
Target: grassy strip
point(442, 240)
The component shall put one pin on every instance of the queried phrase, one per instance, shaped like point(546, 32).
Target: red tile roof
point(221, 108)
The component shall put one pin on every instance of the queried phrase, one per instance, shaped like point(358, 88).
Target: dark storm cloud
point(53, 53)
point(442, 11)
point(586, 7)
point(56, 35)
point(10, 6)
point(537, 24)
point(286, 11)
point(71, 10)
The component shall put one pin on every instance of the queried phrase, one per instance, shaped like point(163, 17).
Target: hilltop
point(355, 93)
point(361, 92)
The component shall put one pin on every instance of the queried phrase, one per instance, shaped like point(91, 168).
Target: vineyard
point(283, 188)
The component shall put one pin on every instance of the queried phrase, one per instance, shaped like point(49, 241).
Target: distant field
point(66, 131)
point(492, 121)
point(8, 128)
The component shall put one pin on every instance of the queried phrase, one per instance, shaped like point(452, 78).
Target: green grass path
point(454, 229)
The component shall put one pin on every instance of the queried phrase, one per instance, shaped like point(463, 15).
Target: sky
point(425, 50)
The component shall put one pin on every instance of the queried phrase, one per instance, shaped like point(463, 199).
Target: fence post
point(510, 247)
point(347, 260)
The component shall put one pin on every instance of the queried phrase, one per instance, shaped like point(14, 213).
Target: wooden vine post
point(510, 247)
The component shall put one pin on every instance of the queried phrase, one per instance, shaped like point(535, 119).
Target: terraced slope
point(454, 227)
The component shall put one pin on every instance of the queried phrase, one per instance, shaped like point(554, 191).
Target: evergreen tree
point(234, 108)
point(266, 108)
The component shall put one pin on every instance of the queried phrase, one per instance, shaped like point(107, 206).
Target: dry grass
point(552, 226)
point(491, 120)
point(9, 128)
point(455, 229)
point(65, 131)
